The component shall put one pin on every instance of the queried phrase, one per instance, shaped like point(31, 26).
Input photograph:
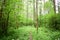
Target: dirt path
point(30, 36)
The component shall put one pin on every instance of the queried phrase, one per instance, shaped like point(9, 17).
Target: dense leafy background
point(20, 26)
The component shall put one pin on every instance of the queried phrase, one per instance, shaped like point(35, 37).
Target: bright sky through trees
point(57, 2)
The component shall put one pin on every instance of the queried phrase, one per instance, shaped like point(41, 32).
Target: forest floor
point(29, 33)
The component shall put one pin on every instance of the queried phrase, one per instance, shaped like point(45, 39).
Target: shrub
point(53, 20)
point(50, 20)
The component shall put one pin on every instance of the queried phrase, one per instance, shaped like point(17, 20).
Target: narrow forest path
point(30, 36)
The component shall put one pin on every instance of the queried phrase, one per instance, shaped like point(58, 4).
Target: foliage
point(47, 5)
point(50, 20)
point(23, 33)
point(53, 21)
point(20, 25)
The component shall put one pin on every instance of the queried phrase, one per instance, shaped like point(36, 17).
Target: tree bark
point(37, 15)
point(54, 6)
point(27, 13)
point(35, 6)
point(4, 21)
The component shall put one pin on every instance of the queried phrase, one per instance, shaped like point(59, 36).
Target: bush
point(53, 21)
point(50, 20)
point(56, 37)
point(19, 20)
point(28, 21)
point(41, 20)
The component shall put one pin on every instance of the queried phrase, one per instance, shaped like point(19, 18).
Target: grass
point(23, 33)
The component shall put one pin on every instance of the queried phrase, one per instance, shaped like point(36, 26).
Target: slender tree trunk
point(54, 6)
point(55, 13)
point(4, 22)
point(8, 18)
point(27, 12)
point(1, 12)
point(37, 15)
point(34, 11)
point(1, 16)
point(35, 6)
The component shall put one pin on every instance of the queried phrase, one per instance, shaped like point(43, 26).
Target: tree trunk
point(37, 15)
point(27, 12)
point(54, 6)
point(34, 11)
point(4, 21)
point(35, 5)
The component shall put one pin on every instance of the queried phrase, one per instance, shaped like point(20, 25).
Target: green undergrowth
point(23, 33)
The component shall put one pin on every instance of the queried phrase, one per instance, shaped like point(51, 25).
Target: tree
point(54, 6)
point(35, 6)
point(4, 18)
point(59, 7)
point(27, 11)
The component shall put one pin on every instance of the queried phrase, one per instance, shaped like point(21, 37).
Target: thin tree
point(27, 11)
point(37, 15)
point(54, 6)
point(1, 12)
point(34, 11)
point(55, 13)
point(4, 24)
point(35, 6)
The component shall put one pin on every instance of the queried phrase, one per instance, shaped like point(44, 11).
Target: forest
point(29, 20)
